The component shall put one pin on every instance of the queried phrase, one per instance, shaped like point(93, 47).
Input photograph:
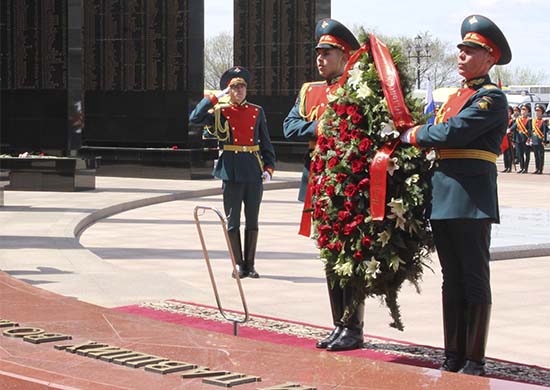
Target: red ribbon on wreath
point(402, 119)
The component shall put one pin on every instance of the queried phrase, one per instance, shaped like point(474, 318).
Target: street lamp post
point(418, 51)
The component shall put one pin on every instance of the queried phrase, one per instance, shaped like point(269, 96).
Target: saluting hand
point(223, 93)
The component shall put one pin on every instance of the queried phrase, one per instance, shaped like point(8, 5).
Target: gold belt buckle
point(245, 149)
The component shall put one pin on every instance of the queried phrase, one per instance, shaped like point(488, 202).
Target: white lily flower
point(384, 238)
point(412, 179)
point(394, 262)
point(344, 269)
point(397, 207)
point(373, 267)
point(398, 213)
point(392, 165)
point(364, 91)
point(354, 76)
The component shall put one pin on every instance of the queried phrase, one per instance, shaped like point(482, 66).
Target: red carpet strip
point(277, 331)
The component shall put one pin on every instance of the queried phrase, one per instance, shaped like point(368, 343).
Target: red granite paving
point(40, 366)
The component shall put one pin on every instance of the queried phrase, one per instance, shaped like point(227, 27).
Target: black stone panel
point(143, 71)
point(136, 118)
point(49, 174)
point(34, 120)
point(33, 75)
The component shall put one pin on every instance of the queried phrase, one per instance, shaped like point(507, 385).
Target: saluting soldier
point(522, 137)
point(467, 137)
point(248, 159)
point(539, 136)
point(334, 45)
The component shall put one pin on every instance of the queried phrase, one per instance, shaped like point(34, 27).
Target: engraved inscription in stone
point(33, 44)
point(136, 45)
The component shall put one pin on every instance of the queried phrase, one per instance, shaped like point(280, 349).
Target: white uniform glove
point(405, 136)
point(266, 176)
point(222, 93)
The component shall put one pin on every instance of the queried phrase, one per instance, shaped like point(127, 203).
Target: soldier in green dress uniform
point(539, 136)
point(522, 137)
point(467, 136)
point(248, 159)
point(334, 45)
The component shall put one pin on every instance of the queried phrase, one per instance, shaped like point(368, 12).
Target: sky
point(525, 23)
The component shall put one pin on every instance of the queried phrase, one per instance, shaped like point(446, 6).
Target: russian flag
point(429, 109)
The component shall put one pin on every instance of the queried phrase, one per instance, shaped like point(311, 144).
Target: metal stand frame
point(235, 320)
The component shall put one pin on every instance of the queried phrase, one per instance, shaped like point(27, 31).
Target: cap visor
point(469, 44)
point(325, 46)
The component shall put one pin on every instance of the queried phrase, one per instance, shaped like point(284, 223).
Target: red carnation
point(357, 166)
point(363, 184)
point(333, 162)
point(349, 205)
point(343, 215)
point(351, 190)
point(358, 256)
point(366, 242)
point(350, 228)
point(356, 118)
point(341, 177)
point(319, 166)
point(335, 247)
point(355, 134)
point(340, 109)
point(352, 110)
point(330, 191)
point(365, 144)
point(324, 229)
point(322, 241)
point(359, 218)
point(319, 213)
point(343, 125)
point(344, 136)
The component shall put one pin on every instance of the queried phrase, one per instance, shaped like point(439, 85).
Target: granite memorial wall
point(275, 40)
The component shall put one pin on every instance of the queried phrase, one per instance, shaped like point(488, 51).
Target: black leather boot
point(236, 249)
point(477, 329)
point(454, 329)
point(352, 335)
point(250, 241)
point(336, 298)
